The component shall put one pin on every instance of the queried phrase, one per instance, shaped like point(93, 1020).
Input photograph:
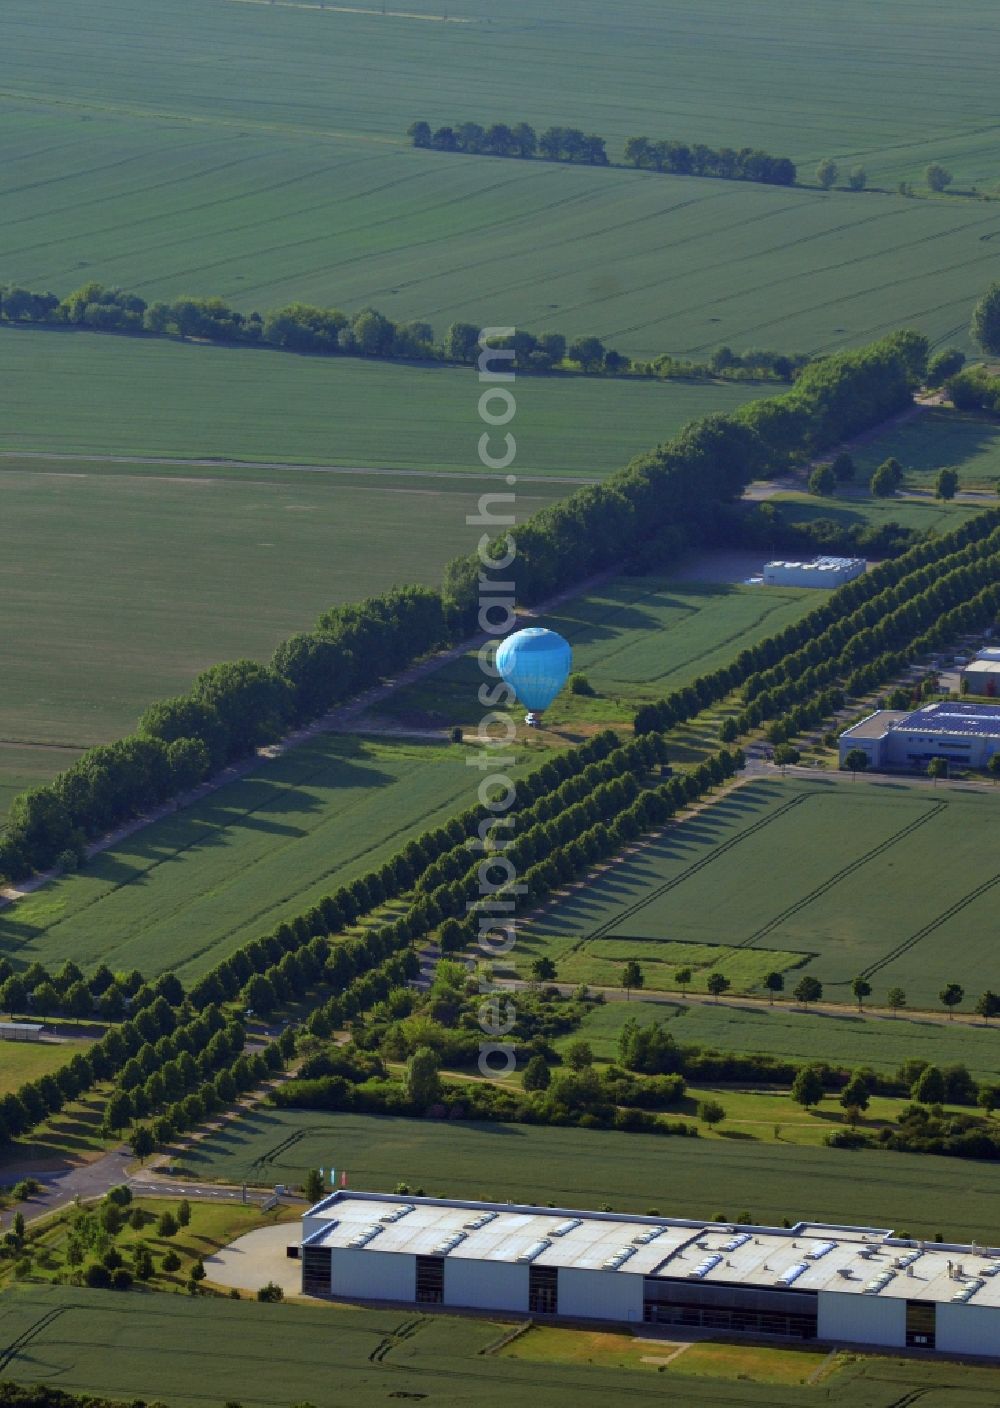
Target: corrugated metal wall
point(848, 1317)
point(485, 1285)
point(372, 1275)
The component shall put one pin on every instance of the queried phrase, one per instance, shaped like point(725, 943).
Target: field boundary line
point(930, 927)
point(632, 910)
point(902, 834)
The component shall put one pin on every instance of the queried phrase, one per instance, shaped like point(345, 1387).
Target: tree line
point(804, 635)
point(723, 163)
point(302, 328)
point(571, 144)
point(520, 141)
point(669, 497)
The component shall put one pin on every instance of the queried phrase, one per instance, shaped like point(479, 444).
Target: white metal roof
point(811, 1257)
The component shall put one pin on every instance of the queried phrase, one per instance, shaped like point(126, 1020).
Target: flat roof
point(806, 1257)
point(876, 725)
point(984, 665)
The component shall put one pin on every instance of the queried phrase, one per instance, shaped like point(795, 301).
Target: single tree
point(988, 1098)
point(537, 1075)
point(807, 1087)
point(861, 989)
point(166, 1225)
point(826, 173)
point(314, 1186)
point(937, 767)
point(786, 755)
point(993, 767)
point(717, 983)
point(951, 996)
point(808, 990)
point(856, 761)
point(683, 975)
point(987, 1005)
point(986, 320)
point(938, 179)
point(632, 977)
point(885, 480)
point(822, 481)
point(857, 178)
point(142, 1142)
point(710, 1112)
point(895, 1000)
point(946, 484)
point(579, 1055)
point(543, 970)
point(774, 982)
point(171, 1262)
point(421, 1083)
point(929, 1087)
point(855, 1094)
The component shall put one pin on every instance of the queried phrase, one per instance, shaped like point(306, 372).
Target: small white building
point(966, 735)
point(820, 572)
point(847, 1285)
point(982, 674)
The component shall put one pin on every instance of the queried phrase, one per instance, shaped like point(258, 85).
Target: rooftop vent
point(739, 1240)
point(535, 1250)
point(367, 1235)
point(617, 1258)
point(397, 1213)
point(967, 1291)
point(880, 1282)
point(475, 1223)
point(643, 1239)
point(450, 1243)
point(704, 1267)
point(566, 1227)
point(792, 1274)
point(819, 1249)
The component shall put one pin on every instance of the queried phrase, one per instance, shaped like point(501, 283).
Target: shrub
point(270, 1293)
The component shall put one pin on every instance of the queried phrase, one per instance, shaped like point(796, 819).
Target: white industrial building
point(966, 735)
point(848, 1285)
point(820, 572)
point(982, 674)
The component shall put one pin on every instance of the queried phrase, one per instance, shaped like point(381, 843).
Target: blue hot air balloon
point(535, 663)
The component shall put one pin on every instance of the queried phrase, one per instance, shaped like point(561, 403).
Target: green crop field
point(186, 891)
point(21, 1061)
point(634, 638)
point(786, 1031)
point(893, 880)
point(122, 581)
point(191, 401)
point(204, 1352)
point(632, 1172)
point(130, 162)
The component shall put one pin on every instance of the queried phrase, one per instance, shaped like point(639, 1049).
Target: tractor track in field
point(696, 866)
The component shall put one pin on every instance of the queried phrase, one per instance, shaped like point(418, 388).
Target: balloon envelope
point(535, 663)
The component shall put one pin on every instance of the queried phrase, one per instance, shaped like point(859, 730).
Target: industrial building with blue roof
point(965, 735)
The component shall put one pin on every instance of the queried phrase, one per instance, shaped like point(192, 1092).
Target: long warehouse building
point(845, 1285)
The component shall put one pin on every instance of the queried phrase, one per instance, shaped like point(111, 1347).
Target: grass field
point(205, 1352)
point(786, 1031)
point(122, 581)
point(22, 1061)
point(199, 401)
point(938, 439)
point(929, 517)
point(632, 1172)
point(186, 891)
point(890, 879)
point(295, 181)
point(634, 638)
